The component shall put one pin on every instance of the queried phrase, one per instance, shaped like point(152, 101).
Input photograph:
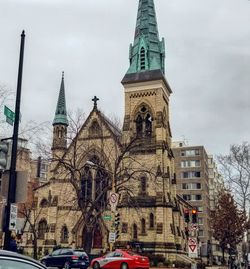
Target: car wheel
point(96, 265)
point(67, 265)
point(124, 266)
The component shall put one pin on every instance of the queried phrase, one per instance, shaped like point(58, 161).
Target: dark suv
point(66, 258)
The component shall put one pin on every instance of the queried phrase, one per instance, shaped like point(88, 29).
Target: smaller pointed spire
point(61, 112)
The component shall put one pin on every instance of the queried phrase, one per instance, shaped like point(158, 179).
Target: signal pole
point(12, 178)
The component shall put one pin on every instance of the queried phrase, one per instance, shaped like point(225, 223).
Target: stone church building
point(137, 162)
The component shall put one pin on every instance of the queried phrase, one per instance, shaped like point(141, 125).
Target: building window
point(200, 220)
point(148, 125)
point(191, 186)
point(139, 126)
point(200, 208)
point(135, 232)
point(95, 129)
point(159, 228)
point(86, 185)
point(64, 234)
point(190, 153)
point(192, 197)
point(151, 220)
point(143, 184)
point(142, 56)
point(195, 163)
point(191, 174)
point(44, 203)
point(144, 122)
point(42, 229)
point(200, 233)
point(124, 227)
point(143, 226)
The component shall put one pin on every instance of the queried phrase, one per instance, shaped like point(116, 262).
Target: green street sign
point(10, 115)
point(107, 217)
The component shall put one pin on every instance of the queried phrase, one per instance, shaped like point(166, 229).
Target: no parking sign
point(113, 200)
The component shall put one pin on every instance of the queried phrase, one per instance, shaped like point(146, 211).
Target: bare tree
point(235, 168)
point(6, 97)
point(31, 214)
point(108, 163)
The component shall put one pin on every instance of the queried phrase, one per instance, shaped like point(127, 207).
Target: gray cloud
point(207, 61)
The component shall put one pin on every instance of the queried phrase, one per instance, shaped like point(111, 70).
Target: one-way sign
point(13, 217)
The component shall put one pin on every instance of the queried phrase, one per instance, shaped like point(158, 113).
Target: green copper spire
point(61, 113)
point(148, 52)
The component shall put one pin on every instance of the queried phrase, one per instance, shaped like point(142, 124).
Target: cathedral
point(136, 163)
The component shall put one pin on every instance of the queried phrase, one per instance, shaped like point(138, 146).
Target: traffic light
point(117, 224)
point(194, 215)
point(186, 215)
point(3, 155)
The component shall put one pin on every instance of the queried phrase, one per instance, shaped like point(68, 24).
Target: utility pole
point(12, 178)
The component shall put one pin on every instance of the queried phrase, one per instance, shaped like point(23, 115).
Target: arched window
point(42, 229)
point(148, 125)
point(143, 59)
point(44, 203)
point(86, 185)
point(135, 232)
point(143, 184)
point(143, 226)
point(139, 126)
point(144, 122)
point(151, 220)
point(64, 234)
point(95, 129)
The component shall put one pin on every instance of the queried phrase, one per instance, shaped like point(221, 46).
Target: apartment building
point(192, 175)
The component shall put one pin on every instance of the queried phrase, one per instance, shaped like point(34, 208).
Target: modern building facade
point(192, 176)
point(216, 185)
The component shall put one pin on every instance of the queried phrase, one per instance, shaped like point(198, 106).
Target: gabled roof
point(115, 132)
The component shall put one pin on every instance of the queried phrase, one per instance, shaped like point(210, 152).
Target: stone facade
point(136, 162)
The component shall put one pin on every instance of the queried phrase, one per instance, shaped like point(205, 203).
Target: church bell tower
point(146, 89)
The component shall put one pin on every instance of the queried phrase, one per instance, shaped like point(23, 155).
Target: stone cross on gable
point(95, 99)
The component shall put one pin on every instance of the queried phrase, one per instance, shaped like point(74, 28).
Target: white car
point(12, 260)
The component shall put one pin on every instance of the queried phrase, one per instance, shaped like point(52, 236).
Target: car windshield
point(131, 253)
point(8, 264)
point(80, 253)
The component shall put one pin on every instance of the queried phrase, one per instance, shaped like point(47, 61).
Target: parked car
point(66, 258)
point(121, 259)
point(12, 260)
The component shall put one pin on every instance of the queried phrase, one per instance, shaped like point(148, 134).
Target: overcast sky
point(207, 60)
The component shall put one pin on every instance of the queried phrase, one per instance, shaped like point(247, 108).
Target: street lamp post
point(12, 178)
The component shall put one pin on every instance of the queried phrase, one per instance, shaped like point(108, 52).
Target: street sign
point(112, 237)
point(192, 247)
point(107, 217)
point(113, 200)
point(10, 115)
point(193, 227)
point(13, 217)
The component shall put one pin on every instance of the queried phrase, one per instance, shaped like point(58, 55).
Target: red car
point(121, 259)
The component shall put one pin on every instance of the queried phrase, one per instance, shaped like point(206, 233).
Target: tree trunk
point(35, 247)
point(88, 238)
point(223, 255)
